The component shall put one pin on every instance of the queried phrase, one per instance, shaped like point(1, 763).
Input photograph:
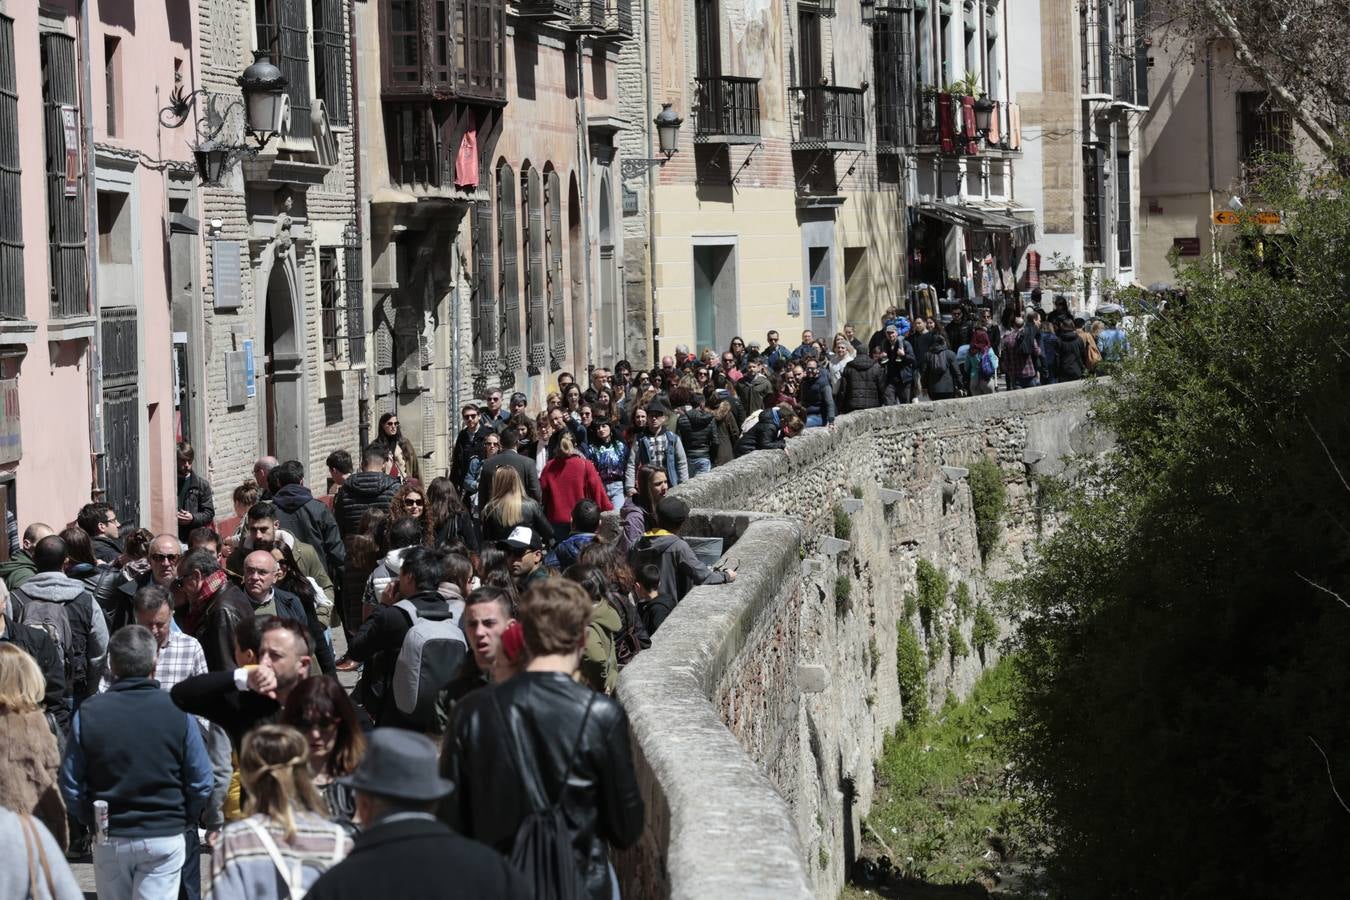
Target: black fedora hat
point(401, 764)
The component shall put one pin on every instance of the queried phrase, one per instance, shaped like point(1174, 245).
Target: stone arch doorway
point(283, 367)
point(610, 331)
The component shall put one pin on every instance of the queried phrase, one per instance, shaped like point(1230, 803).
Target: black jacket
point(377, 645)
point(534, 722)
point(763, 435)
point(468, 446)
point(524, 466)
point(696, 429)
point(107, 550)
point(360, 492)
point(1071, 358)
point(533, 516)
point(863, 385)
point(213, 696)
point(310, 521)
point(215, 631)
point(194, 496)
point(411, 858)
point(941, 373)
point(44, 650)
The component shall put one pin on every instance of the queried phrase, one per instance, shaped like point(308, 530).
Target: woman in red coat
point(567, 479)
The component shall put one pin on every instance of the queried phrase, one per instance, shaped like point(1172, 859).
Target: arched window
point(532, 213)
point(557, 290)
point(507, 251)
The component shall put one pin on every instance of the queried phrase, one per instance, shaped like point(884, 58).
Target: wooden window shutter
point(11, 209)
point(510, 280)
point(330, 59)
point(428, 424)
point(485, 287)
point(557, 289)
point(535, 278)
point(294, 64)
point(65, 214)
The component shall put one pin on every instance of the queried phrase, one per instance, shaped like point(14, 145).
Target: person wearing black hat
point(403, 850)
point(524, 547)
point(662, 546)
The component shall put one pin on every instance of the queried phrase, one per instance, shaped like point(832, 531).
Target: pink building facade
point(94, 196)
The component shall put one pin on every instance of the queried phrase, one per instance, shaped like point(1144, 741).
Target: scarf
point(211, 585)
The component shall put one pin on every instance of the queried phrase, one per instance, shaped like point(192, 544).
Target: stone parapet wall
point(760, 707)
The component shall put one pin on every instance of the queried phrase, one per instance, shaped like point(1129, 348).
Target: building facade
point(1202, 144)
point(273, 332)
point(1082, 86)
point(86, 198)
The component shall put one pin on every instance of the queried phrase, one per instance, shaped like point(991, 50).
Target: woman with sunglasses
point(411, 501)
point(321, 711)
point(312, 597)
point(402, 457)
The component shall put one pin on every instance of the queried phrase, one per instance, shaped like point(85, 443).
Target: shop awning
point(981, 218)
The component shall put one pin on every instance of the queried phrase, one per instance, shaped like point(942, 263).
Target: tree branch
point(1308, 581)
point(1330, 777)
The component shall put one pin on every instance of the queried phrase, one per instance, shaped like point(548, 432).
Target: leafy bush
point(911, 603)
point(1182, 654)
point(932, 584)
point(989, 497)
point(984, 632)
point(843, 591)
point(956, 644)
point(936, 645)
point(843, 525)
point(911, 674)
point(964, 601)
point(856, 491)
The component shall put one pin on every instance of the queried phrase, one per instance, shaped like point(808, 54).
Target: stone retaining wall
point(761, 705)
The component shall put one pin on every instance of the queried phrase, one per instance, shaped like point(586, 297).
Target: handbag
point(37, 856)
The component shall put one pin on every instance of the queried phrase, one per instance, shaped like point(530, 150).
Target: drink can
point(101, 821)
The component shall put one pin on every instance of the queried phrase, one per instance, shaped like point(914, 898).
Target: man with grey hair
point(261, 469)
point(132, 748)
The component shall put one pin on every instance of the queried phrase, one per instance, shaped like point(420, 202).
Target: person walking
point(568, 478)
point(403, 461)
point(403, 851)
point(47, 654)
point(285, 843)
point(609, 455)
point(370, 488)
point(196, 506)
point(941, 374)
point(981, 364)
point(132, 749)
point(862, 385)
point(62, 606)
point(509, 508)
point(307, 517)
point(510, 455)
point(31, 862)
point(30, 762)
point(1071, 354)
point(566, 747)
point(320, 709)
point(659, 447)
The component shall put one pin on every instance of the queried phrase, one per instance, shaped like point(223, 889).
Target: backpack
point(54, 619)
point(543, 850)
point(626, 641)
point(987, 367)
point(426, 662)
point(1094, 356)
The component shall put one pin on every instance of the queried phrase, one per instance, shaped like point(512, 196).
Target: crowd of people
point(166, 695)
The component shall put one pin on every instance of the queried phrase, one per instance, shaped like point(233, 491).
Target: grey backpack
point(432, 653)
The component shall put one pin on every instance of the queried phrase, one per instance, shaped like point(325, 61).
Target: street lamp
point(668, 130)
point(265, 104)
point(869, 11)
point(667, 124)
point(984, 110)
point(213, 159)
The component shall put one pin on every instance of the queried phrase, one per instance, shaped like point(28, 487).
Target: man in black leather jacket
point(569, 742)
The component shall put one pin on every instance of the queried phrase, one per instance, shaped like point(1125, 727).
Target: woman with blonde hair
point(286, 842)
point(29, 760)
point(510, 507)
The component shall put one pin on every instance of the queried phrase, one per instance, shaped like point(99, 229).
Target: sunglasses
point(322, 723)
point(393, 422)
point(165, 557)
point(411, 502)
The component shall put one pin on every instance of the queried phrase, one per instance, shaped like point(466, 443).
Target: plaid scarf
point(211, 585)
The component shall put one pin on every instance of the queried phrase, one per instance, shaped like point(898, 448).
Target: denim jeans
point(699, 465)
point(144, 868)
point(615, 491)
point(1027, 381)
point(814, 421)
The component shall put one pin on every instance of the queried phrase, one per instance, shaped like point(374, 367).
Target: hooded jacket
point(311, 522)
point(766, 434)
point(599, 664)
point(18, 569)
point(754, 392)
point(863, 385)
point(681, 570)
point(817, 399)
point(695, 428)
point(1070, 356)
point(360, 492)
point(88, 635)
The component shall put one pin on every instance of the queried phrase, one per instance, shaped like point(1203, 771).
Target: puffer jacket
point(863, 385)
point(696, 429)
point(599, 664)
point(766, 434)
point(360, 492)
point(311, 522)
point(536, 720)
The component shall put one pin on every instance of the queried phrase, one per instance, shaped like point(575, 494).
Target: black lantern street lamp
point(869, 11)
point(263, 87)
point(213, 159)
point(984, 110)
point(668, 130)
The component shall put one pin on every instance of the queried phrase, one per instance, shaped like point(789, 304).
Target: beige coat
point(29, 771)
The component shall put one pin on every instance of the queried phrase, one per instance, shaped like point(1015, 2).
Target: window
point(282, 30)
point(330, 59)
point(112, 79)
point(354, 290)
point(945, 51)
point(11, 214)
point(891, 41)
point(437, 45)
point(65, 196)
point(1124, 213)
point(1093, 172)
point(508, 251)
point(485, 284)
point(532, 216)
point(557, 291)
point(1264, 128)
point(808, 49)
point(330, 291)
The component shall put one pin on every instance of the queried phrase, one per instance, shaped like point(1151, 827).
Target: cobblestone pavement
point(84, 867)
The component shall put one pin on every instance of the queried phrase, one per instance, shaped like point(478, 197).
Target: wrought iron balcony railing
point(831, 117)
point(728, 110)
point(605, 18)
point(564, 10)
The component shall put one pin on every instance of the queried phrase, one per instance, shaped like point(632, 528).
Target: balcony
point(728, 110)
point(548, 10)
point(612, 19)
point(422, 139)
point(832, 118)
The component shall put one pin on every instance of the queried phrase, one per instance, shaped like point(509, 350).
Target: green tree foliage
point(989, 496)
point(1183, 641)
point(985, 630)
point(912, 674)
point(932, 583)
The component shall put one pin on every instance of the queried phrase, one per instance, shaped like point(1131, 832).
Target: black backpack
point(627, 643)
point(543, 850)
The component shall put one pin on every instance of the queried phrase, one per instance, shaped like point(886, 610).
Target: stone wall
point(760, 707)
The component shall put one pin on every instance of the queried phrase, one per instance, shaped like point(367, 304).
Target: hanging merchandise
point(946, 123)
point(1033, 269)
point(968, 125)
point(951, 253)
point(1014, 126)
point(987, 277)
point(466, 160)
point(992, 137)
